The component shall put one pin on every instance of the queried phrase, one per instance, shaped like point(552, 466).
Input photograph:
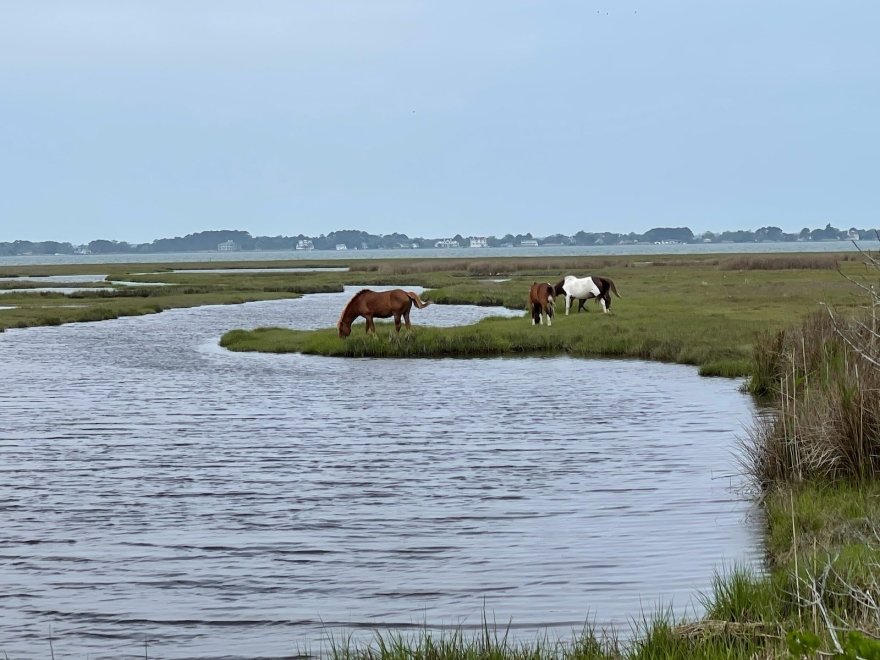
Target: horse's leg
point(602, 302)
point(369, 325)
point(549, 319)
point(397, 322)
point(406, 320)
point(536, 314)
point(567, 303)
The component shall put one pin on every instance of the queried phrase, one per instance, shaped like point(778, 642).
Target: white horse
point(584, 288)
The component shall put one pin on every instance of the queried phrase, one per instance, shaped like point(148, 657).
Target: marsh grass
point(657, 635)
point(489, 267)
point(814, 456)
point(578, 336)
point(810, 261)
point(488, 642)
point(693, 315)
point(668, 290)
point(826, 394)
point(654, 636)
point(56, 309)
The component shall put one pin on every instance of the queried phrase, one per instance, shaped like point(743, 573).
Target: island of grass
point(700, 311)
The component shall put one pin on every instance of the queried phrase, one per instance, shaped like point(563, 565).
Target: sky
point(145, 119)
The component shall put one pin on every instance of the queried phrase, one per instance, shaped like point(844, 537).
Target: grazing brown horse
point(378, 304)
point(541, 302)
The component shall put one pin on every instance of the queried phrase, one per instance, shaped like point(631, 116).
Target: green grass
point(655, 636)
point(489, 642)
point(593, 335)
point(814, 526)
point(689, 312)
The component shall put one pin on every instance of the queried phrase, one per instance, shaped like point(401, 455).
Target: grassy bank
point(86, 303)
point(583, 335)
point(695, 311)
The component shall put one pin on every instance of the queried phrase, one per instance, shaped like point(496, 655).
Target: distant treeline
point(360, 240)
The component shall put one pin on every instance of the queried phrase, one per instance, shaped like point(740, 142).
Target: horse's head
point(344, 328)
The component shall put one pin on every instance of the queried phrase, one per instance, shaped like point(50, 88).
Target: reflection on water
point(156, 487)
point(60, 279)
point(57, 289)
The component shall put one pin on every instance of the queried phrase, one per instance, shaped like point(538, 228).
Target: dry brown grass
point(783, 261)
point(826, 384)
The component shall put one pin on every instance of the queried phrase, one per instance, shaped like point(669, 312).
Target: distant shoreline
point(636, 249)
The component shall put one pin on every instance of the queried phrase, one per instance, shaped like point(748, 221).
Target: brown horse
point(378, 304)
point(541, 302)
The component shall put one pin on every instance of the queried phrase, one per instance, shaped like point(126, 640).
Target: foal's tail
point(613, 288)
point(551, 303)
point(418, 301)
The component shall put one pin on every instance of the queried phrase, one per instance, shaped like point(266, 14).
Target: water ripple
point(159, 491)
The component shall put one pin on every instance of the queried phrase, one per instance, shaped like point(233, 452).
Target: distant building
point(446, 243)
point(82, 249)
point(528, 242)
point(341, 246)
point(227, 246)
point(853, 235)
point(478, 242)
point(305, 244)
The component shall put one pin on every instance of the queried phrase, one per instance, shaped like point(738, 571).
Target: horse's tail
point(613, 288)
point(551, 304)
point(421, 304)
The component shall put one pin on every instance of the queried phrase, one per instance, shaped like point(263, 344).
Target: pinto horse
point(584, 288)
point(378, 304)
point(541, 303)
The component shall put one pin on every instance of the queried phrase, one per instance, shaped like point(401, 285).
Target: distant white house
point(446, 243)
point(305, 244)
point(341, 246)
point(853, 235)
point(227, 246)
point(478, 242)
point(82, 249)
point(528, 242)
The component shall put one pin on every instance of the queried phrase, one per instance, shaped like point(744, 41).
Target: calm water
point(485, 253)
point(158, 488)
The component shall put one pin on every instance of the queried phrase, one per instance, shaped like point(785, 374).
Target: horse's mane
point(351, 302)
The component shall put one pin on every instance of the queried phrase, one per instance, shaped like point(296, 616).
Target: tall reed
point(824, 378)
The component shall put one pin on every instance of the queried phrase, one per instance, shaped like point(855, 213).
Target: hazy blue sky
point(139, 120)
